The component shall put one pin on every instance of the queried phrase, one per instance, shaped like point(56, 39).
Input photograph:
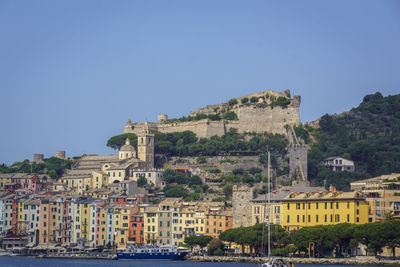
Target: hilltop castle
point(261, 112)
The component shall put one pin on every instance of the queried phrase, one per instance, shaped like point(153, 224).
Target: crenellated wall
point(257, 117)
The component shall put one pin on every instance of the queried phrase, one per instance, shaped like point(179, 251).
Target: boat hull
point(152, 256)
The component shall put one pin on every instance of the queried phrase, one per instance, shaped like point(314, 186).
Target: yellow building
point(150, 225)
point(81, 183)
point(99, 179)
point(261, 211)
point(102, 226)
point(85, 220)
point(20, 218)
point(200, 221)
point(309, 209)
point(186, 223)
point(5, 178)
point(121, 224)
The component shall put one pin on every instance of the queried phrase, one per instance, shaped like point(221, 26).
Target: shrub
point(232, 102)
point(229, 115)
point(201, 159)
point(245, 100)
point(254, 99)
point(218, 252)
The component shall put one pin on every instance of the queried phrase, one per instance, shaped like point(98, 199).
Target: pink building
point(31, 182)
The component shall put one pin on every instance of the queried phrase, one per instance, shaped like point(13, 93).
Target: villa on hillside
point(339, 164)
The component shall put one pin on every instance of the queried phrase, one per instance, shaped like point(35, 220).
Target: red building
point(136, 228)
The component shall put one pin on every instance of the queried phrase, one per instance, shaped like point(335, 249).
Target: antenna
point(269, 205)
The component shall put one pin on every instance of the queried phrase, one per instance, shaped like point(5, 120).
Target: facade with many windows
point(310, 209)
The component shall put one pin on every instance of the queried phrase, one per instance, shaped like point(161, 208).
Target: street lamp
point(309, 249)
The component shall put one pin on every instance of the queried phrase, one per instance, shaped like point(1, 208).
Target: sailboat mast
point(269, 205)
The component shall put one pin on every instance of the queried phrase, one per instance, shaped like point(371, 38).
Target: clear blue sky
point(72, 72)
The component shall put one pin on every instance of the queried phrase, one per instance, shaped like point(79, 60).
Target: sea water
point(34, 262)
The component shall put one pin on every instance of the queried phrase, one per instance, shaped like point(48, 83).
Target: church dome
point(127, 146)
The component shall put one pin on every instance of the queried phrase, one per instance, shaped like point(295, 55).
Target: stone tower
point(241, 205)
point(162, 117)
point(60, 154)
point(38, 158)
point(146, 146)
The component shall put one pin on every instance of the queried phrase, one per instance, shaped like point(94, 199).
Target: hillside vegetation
point(187, 144)
point(368, 135)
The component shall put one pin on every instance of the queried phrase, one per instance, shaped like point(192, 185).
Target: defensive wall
point(258, 117)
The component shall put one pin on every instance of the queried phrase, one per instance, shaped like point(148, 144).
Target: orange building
point(47, 231)
point(218, 220)
point(136, 229)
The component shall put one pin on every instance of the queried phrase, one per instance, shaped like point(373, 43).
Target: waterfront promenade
point(361, 260)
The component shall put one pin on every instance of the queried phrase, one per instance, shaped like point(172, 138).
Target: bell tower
point(146, 146)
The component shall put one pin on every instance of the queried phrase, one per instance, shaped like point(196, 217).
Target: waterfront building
point(262, 212)
point(136, 229)
point(121, 224)
point(32, 220)
point(200, 219)
point(101, 214)
point(186, 223)
point(218, 220)
point(47, 222)
point(382, 194)
point(110, 226)
point(150, 225)
point(165, 215)
point(7, 203)
point(321, 208)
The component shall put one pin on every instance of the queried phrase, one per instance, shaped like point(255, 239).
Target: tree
point(201, 159)
point(326, 123)
point(52, 174)
point(175, 191)
point(254, 99)
point(369, 234)
point(227, 190)
point(142, 181)
point(194, 180)
point(244, 100)
point(323, 239)
point(232, 102)
point(214, 246)
point(345, 236)
point(229, 115)
point(201, 240)
point(117, 141)
point(391, 233)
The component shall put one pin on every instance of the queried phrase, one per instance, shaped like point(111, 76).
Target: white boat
point(276, 262)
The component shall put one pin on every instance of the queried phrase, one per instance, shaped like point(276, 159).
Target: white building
point(153, 176)
point(32, 217)
point(339, 164)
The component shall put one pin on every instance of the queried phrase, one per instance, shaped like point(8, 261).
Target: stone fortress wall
point(258, 118)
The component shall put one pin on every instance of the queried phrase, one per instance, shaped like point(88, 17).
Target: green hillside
point(368, 135)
